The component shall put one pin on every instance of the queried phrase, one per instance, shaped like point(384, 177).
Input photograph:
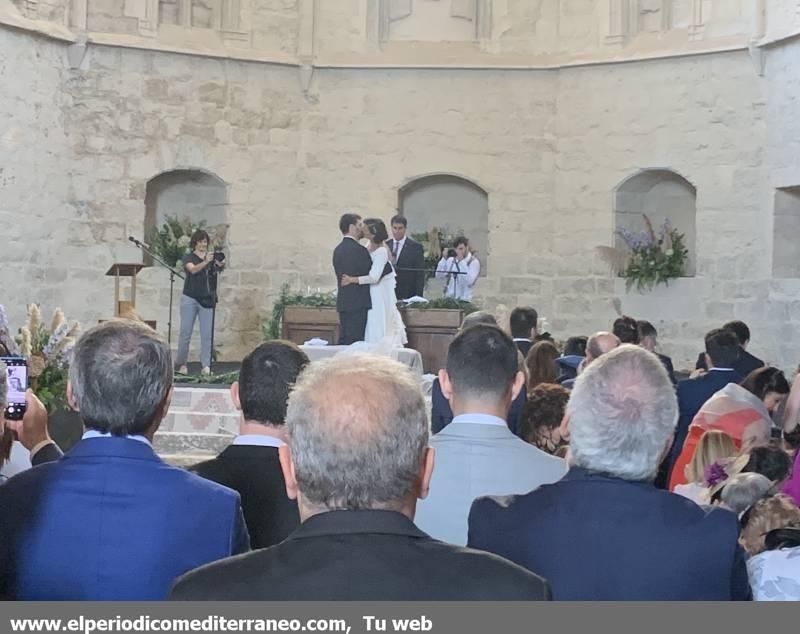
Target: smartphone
point(17, 382)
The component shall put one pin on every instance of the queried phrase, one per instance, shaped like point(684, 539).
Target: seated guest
point(746, 362)
point(110, 520)
point(441, 414)
point(524, 320)
point(598, 344)
point(714, 447)
point(722, 350)
point(648, 339)
point(775, 571)
point(541, 364)
point(772, 462)
point(765, 515)
point(744, 412)
point(626, 329)
point(357, 461)
point(739, 492)
point(572, 357)
point(540, 422)
point(476, 454)
point(604, 532)
point(250, 464)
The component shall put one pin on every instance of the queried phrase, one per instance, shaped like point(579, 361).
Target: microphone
point(137, 243)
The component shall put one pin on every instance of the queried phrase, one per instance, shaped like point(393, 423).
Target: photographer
point(199, 296)
point(460, 270)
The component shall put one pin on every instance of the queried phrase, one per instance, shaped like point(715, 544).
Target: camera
point(451, 253)
point(219, 257)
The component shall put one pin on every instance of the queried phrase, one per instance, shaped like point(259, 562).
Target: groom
point(352, 301)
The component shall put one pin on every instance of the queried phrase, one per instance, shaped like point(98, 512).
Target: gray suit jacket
point(472, 460)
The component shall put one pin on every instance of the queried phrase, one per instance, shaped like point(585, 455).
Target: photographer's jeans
point(191, 310)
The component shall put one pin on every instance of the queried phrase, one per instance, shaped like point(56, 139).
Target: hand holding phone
point(32, 429)
point(17, 383)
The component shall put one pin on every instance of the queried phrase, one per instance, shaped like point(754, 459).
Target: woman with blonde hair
point(714, 447)
point(541, 363)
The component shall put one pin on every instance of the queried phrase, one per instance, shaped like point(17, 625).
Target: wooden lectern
point(127, 309)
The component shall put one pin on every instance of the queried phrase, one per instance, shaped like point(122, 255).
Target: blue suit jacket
point(441, 414)
point(111, 521)
point(595, 538)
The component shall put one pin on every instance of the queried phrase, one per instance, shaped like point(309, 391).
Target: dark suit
point(441, 414)
point(524, 346)
point(667, 363)
point(744, 365)
point(594, 537)
point(255, 472)
point(412, 256)
point(352, 301)
point(49, 453)
point(111, 521)
point(361, 556)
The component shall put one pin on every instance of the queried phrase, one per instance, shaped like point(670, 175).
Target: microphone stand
point(172, 275)
point(214, 272)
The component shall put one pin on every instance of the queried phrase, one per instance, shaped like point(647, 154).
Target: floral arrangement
point(48, 350)
point(651, 257)
point(171, 241)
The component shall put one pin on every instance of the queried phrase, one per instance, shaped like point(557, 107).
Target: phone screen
point(17, 383)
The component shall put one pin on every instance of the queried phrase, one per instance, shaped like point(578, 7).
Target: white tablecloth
point(407, 356)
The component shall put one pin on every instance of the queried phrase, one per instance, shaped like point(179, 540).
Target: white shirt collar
point(523, 339)
point(479, 419)
point(258, 440)
point(93, 433)
point(721, 369)
point(347, 235)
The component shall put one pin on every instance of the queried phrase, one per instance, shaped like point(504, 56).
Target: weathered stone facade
point(305, 108)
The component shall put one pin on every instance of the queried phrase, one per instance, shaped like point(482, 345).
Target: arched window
point(454, 205)
point(188, 195)
point(661, 194)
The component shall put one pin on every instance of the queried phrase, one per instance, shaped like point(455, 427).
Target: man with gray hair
point(110, 520)
point(598, 344)
point(604, 532)
point(357, 460)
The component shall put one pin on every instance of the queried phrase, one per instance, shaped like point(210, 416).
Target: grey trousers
point(191, 310)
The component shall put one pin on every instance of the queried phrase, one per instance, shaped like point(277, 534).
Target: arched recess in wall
point(455, 205)
point(785, 251)
point(189, 195)
point(661, 194)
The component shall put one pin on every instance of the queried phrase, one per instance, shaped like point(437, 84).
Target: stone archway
point(454, 204)
point(187, 194)
point(660, 194)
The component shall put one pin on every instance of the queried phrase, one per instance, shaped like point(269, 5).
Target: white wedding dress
point(384, 323)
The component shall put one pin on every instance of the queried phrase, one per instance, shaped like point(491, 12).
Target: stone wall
point(294, 147)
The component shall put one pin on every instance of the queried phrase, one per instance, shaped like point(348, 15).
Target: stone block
point(517, 285)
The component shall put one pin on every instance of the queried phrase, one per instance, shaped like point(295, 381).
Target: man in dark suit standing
point(250, 465)
point(523, 323)
point(352, 301)
point(110, 520)
point(746, 362)
point(722, 353)
point(604, 532)
point(406, 254)
point(357, 461)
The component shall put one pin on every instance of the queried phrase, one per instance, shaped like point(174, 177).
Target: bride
point(384, 322)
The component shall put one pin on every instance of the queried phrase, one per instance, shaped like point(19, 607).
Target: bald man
point(599, 344)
